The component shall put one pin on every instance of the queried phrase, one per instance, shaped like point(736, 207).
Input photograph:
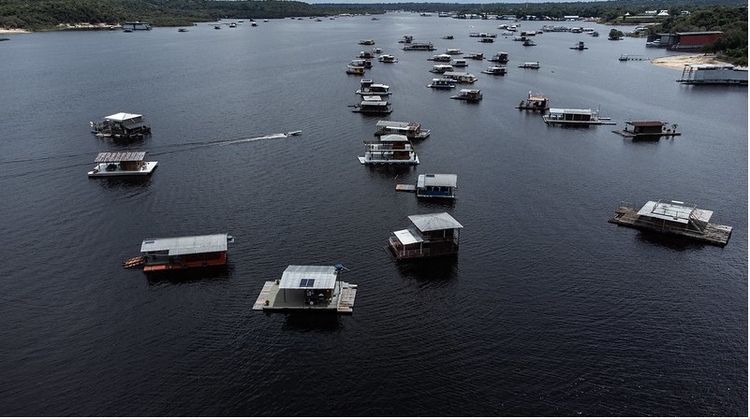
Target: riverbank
point(678, 62)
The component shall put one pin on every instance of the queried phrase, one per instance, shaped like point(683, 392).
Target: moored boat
point(442, 83)
point(496, 70)
point(469, 95)
point(122, 125)
point(441, 68)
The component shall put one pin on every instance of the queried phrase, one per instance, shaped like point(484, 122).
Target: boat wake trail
point(247, 140)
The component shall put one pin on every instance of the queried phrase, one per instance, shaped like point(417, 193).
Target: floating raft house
point(316, 288)
point(674, 217)
point(638, 130)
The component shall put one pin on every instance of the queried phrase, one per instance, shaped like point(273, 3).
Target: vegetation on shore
point(728, 16)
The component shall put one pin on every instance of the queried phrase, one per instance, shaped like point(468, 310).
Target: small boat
point(453, 51)
point(533, 65)
point(232, 25)
point(407, 39)
point(217, 26)
point(487, 40)
point(182, 30)
point(366, 42)
point(366, 54)
point(529, 43)
point(460, 63)
point(122, 163)
point(292, 133)
point(496, 70)
point(442, 83)
point(469, 95)
point(357, 62)
point(448, 37)
point(475, 56)
point(388, 59)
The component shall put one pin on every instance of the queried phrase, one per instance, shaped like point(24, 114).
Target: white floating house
point(122, 163)
point(304, 287)
point(430, 235)
point(389, 149)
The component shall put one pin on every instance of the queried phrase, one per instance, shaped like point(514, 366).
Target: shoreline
point(4, 31)
point(678, 62)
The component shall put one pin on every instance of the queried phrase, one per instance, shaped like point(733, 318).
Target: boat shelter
point(430, 235)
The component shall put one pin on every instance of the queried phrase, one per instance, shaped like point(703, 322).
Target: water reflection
point(437, 271)
point(187, 276)
point(669, 241)
point(312, 321)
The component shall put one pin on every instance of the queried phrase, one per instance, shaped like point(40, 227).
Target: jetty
point(647, 130)
point(675, 218)
point(303, 288)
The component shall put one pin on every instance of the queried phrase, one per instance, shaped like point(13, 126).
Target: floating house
point(442, 83)
point(412, 130)
point(368, 88)
point(469, 95)
point(390, 149)
point(460, 77)
point(441, 68)
point(424, 46)
point(314, 288)
point(430, 235)
point(373, 105)
point(647, 130)
point(500, 57)
point(122, 163)
point(496, 70)
point(534, 103)
point(441, 186)
point(122, 125)
point(533, 65)
point(580, 46)
point(713, 74)
point(575, 117)
point(676, 218)
point(182, 253)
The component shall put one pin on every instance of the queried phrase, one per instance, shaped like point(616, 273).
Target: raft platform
point(647, 130)
point(401, 187)
point(271, 298)
point(715, 234)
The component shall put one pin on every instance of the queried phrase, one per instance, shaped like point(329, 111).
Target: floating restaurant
point(412, 130)
point(430, 235)
point(315, 288)
point(647, 130)
point(182, 253)
point(676, 218)
point(441, 186)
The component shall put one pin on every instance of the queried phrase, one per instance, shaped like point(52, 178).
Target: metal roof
point(122, 116)
point(394, 138)
point(120, 156)
point(437, 180)
point(571, 111)
point(432, 222)
point(299, 277)
point(187, 245)
point(675, 211)
point(408, 237)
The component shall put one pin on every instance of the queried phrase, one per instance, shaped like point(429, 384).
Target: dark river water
point(547, 311)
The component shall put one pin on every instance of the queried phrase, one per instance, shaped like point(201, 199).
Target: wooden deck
point(401, 187)
point(646, 136)
point(715, 234)
point(271, 298)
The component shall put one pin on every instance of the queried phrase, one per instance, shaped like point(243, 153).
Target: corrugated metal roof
point(122, 116)
point(675, 211)
point(120, 156)
point(396, 124)
point(407, 237)
point(646, 123)
point(570, 111)
point(300, 277)
point(187, 245)
point(432, 222)
point(394, 138)
point(437, 180)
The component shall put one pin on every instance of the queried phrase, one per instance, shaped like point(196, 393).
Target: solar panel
point(306, 282)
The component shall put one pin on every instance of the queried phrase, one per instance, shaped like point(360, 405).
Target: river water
point(548, 309)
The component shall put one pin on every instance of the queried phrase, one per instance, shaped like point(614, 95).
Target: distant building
point(683, 40)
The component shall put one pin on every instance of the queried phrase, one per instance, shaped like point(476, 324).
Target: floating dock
point(676, 218)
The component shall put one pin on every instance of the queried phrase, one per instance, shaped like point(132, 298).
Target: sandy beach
point(678, 62)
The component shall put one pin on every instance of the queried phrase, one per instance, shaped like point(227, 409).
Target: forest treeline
point(729, 16)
